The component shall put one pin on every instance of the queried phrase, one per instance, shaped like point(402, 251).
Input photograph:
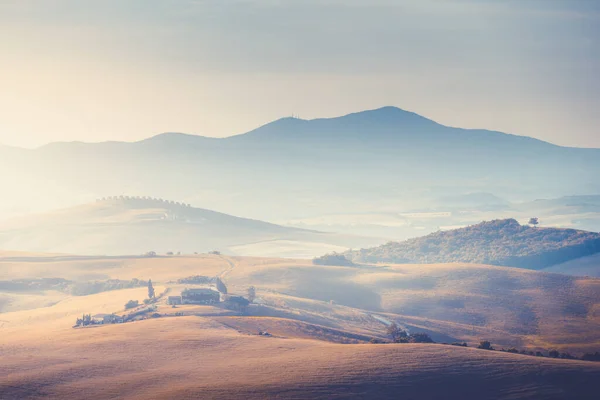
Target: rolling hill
point(195, 357)
point(499, 242)
point(453, 302)
point(126, 225)
point(320, 319)
point(384, 159)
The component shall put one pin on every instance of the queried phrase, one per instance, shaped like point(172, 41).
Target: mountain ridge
point(378, 116)
point(293, 168)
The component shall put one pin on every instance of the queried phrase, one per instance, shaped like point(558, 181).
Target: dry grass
point(510, 307)
point(221, 356)
point(192, 357)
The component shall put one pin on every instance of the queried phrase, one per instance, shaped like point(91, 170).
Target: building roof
point(199, 291)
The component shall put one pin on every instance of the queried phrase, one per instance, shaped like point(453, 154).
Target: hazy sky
point(95, 70)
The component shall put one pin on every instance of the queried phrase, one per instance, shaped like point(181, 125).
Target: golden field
point(320, 319)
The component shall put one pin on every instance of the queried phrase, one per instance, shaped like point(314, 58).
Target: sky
point(98, 70)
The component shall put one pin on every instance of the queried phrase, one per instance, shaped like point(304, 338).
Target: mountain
point(499, 242)
point(291, 168)
point(127, 225)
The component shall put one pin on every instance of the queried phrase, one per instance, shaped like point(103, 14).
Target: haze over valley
point(299, 199)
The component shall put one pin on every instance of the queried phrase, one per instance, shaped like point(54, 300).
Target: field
point(320, 321)
point(193, 357)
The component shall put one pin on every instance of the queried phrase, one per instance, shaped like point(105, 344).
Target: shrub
point(396, 333)
point(333, 259)
point(567, 356)
point(196, 279)
point(591, 357)
point(420, 338)
point(131, 304)
point(485, 345)
point(553, 354)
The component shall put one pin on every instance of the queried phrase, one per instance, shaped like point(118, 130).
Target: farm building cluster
point(195, 296)
point(208, 296)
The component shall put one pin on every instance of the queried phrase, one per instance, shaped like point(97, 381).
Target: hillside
point(195, 357)
point(452, 302)
point(384, 159)
point(127, 225)
point(319, 318)
point(499, 242)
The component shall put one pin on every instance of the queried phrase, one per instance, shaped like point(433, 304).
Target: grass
point(193, 357)
point(508, 306)
point(318, 315)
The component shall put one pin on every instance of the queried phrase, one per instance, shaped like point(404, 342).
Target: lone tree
point(221, 286)
point(251, 294)
point(150, 290)
point(420, 338)
point(396, 333)
point(534, 221)
point(485, 345)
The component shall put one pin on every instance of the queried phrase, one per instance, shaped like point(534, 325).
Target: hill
point(499, 242)
point(452, 302)
point(192, 357)
point(127, 225)
point(388, 158)
point(319, 319)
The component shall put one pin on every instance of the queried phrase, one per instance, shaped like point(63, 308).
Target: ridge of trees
point(147, 199)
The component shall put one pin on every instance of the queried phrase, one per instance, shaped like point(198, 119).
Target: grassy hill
point(195, 357)
point(320, 318)
point(127, 225)
point(499, 242)
point(453, 302)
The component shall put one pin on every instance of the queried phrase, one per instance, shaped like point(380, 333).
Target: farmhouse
point(200, 296)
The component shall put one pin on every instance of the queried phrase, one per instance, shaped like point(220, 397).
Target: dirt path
point(232, 265)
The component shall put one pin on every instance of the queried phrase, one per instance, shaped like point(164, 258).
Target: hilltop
point(498, 242)
point(137, 225)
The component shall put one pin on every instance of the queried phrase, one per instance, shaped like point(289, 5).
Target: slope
point(499, 242)
point(192, 357)
point(127, 225)
point(508, 306)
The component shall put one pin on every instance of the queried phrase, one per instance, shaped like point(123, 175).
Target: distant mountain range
point(126, 225)
point(499, 242)
point(291, 168)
